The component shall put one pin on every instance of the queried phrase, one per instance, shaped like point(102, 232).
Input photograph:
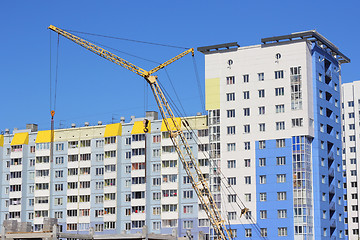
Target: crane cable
point(199, 84)
point(127, 39)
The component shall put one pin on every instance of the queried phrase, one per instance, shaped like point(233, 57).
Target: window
point(99, 143)
point(230, 97)
point(156, 138)
point(351, 126)
point(246, 95)
point(261, 110)
point(323, 179)
point(32, 161)
point(32, 149)
point(261, 76)
point(263, 197)
point(279, 74)
point(156, 153)
point(203, 133)
point(59, 174)
point(261, 93)
point(156, 181)
point(85, 143)
point(138, 137)
point(248, 197)
point(231, 163)
point(280, 143)
point(350, 103)
point(188, 209)
point(99, 157)
point(262, 162)
point(232, 215)
point(280, 125)
point(231, 147)
point(247, 179)
point(232, 180)
point(282, 213)
point(156, 167)
point(279, 91)
point(247, 128)
point(247, 162)
point(230, 113)
point(262, 127)
point(230, 80)
point(59, 147)
point(156, 196)
point(263, 232)
point(281, 178)
point(248, 232)
point(263, 214)
point(262, 179)
point(188, 194)
point(231, 198)
point(280, 108)
point(246, 111)
point(297, 122)
point(231, 130)
point(110, 140)
point(351, 115)
point(246, 78)
point(262, 144)
point(281, 196)
point(282, 231)
point(247, 145)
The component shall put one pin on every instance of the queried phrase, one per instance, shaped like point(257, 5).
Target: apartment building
point(111, 178)
point(275, 134)
point(350, 134)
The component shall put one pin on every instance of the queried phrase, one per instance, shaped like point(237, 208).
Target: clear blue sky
point(93, 89)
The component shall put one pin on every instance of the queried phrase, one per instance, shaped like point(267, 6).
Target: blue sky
point(92, 89)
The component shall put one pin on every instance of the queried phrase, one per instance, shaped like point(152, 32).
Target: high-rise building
point(110, 178)
point(275, 134)
point(350, 134)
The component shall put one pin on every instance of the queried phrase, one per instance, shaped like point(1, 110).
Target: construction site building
point(275, 130)
point(112, 178)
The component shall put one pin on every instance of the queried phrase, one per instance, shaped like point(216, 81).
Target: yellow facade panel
point(1, 140)
point(212, 93)
point(139, 127)
point(43, 137)
point(171, 123)
point(20, 139)
point(112, 130)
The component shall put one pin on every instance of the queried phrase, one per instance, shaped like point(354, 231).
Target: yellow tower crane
point(177, 136)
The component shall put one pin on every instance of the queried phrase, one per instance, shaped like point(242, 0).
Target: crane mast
point(177, 136)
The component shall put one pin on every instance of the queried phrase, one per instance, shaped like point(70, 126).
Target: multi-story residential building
point(275, 134)
point(350, 134)
point(110, 178)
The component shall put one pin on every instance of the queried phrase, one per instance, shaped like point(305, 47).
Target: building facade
point(275, 134)
point(350, 134)
point(111, 178)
